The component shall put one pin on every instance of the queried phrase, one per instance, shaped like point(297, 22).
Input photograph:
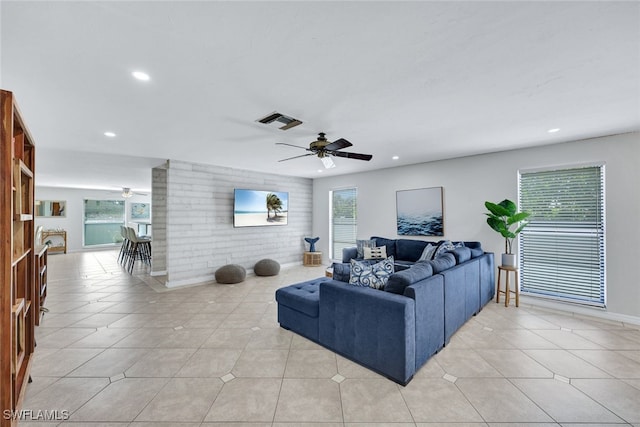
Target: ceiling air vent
point(279, 121)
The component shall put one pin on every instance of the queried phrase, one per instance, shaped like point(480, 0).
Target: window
point(343, 221)
point(102, 221)
point(562, 248)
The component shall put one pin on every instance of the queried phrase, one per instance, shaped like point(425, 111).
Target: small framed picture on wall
point(140, 211)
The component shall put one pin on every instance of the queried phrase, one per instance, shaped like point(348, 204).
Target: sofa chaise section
point(298, 307)
point(374, 328)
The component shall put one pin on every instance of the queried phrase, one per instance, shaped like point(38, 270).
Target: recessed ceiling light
point(319, 170)
point(110, 134)
point(395, 157)
point(554, 130)
point(140, 75)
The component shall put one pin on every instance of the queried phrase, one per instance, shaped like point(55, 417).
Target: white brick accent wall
point(200, 237)
point(159, 220)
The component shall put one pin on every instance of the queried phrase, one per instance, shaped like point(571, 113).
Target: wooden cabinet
point(56, 240)
point(17, 256)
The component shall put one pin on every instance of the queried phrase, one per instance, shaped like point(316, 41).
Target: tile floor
point(112, 351)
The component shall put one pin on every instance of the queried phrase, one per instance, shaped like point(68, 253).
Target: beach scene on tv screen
point(254, 208)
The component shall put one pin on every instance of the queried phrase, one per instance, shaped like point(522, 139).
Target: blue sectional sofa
point(393, 331)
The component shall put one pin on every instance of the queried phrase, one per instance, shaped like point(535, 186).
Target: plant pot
point(509, 260)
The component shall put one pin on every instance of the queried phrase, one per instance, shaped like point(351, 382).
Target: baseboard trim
point(158, 273)
point(580, 310)
point(190, 282)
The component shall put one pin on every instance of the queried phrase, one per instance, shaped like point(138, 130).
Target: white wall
point(200, 233)
point(468, 182)
point(73, 222)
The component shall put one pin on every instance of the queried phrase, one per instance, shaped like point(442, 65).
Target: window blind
point(343, 220)
point(562, 249)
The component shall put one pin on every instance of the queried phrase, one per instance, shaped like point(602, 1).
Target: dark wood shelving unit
point(18, 307)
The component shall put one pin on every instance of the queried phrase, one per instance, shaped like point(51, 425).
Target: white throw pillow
point(375, 253)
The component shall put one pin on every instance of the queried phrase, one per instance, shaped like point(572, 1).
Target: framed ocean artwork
point(420, 212)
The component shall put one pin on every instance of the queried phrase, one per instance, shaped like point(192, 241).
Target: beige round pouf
point(230, 273)
point(266, 267)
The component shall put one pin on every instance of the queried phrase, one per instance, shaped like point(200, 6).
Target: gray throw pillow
point(361, 244)
point(428, 252)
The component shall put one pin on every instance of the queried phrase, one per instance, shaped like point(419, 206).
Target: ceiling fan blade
point(295, 157)
point(348, 155)
point(291, 145)
point(338, 144)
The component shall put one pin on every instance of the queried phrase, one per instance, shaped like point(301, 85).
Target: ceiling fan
point(325, 149)
point(127, 193)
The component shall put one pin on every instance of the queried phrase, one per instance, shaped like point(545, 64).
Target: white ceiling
point(420, 80)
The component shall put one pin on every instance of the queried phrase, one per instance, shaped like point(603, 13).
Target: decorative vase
point(509, 260)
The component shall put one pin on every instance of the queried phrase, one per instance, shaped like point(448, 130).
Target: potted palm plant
point(504, 218)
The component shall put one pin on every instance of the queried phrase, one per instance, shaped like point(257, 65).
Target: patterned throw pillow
point(427, 253)
point(375, 253)
point(444, 246)
point(373, 276)
point(361, 244)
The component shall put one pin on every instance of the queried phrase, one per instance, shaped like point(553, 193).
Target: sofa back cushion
point(349, 253)
point(461, 255)
point(409, 250)
point(443, 262)
point(389, 243)
point(476, 252)
point(342, 271)
point(476, 249)
point(398, 281)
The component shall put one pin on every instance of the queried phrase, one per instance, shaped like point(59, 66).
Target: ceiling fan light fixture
point(126, 192)
point(327, 162)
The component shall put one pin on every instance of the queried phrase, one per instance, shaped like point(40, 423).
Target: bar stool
point(140, 249)
point(507, 291)
point(124, 249)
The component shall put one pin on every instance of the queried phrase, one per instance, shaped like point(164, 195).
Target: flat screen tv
point(254, 208)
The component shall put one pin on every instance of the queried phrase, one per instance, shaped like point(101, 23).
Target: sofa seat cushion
point(399, 281)
point(303, 297)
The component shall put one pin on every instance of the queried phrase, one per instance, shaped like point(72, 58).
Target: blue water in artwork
point(420, 225)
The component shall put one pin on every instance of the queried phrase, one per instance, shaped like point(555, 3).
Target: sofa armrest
point(349, 253)
point(371, 327)
point(428, 295)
